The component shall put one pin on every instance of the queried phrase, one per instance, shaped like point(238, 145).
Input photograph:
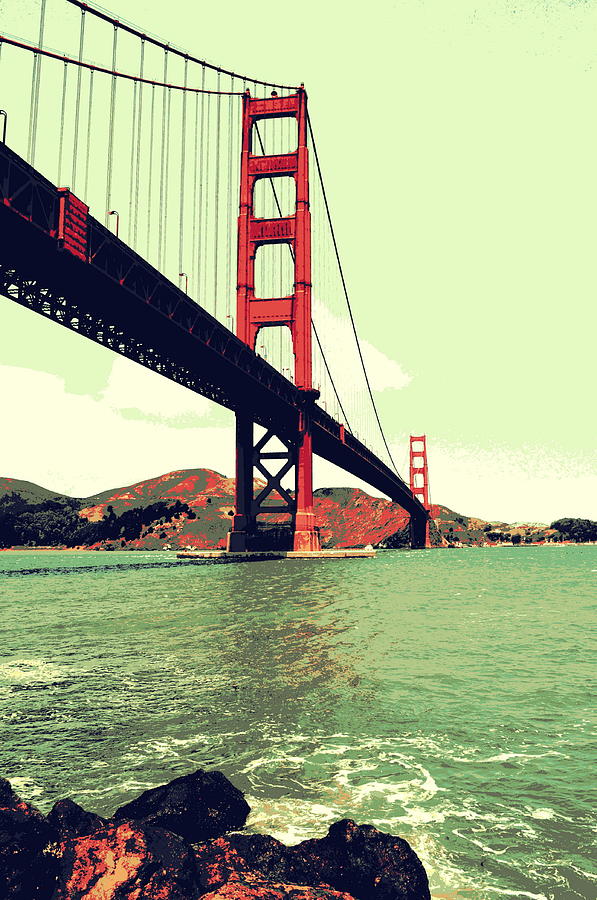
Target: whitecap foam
point(506, 893)
point(26, 788)
point(507, 755)
point(30, 671)
point(545, 813)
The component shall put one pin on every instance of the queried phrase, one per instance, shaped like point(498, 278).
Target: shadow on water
point(116, 567)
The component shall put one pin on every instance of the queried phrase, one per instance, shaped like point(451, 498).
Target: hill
point(191, 508)
point(30, 492)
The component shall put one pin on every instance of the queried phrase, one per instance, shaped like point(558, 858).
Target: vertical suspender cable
point(108, 200)
point(138, 161)
point(182, 170)
point(199, 163)
point(133, 132)
point(78, 102)
point(150, 175)
point(88, 147)
point(206, 230)
point(62, 118)
point(37, 61)
point(194, 269)
point(32, 106)
point(167, 177)
point(229, 214)
point(162, 158)
point(217, 197)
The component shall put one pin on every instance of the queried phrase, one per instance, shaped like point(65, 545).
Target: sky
point(458, 142)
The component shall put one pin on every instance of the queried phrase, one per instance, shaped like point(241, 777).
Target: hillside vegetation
point(192, 509)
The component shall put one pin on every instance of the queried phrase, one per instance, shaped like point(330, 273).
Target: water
point(440, 695)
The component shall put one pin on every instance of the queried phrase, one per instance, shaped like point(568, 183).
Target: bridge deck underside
point(120, 301)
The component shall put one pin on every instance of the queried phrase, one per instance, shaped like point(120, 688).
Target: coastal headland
point(191, 510)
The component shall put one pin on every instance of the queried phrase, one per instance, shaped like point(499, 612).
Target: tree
point(579, 530)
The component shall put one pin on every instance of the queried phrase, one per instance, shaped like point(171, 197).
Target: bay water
point(441, 695)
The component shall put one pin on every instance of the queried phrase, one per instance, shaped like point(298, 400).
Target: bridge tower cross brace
point(294, 311)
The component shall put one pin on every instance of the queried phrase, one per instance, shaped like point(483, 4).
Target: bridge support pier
point(238, 538)
point(419, 532)
point(306, 536)
point(244, 535)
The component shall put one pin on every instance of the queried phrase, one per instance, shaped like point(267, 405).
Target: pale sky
point(458, 141)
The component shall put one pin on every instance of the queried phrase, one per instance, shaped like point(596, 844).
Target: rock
point(217, 863)
point(26, 873)
point(276, 861)
point(71, 820)
point(370, 864)
point(249, 888)
point(198, 807)
point(127, 861)
point(360, 859)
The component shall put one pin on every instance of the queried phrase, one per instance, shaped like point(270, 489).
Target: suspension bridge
point(176, 212)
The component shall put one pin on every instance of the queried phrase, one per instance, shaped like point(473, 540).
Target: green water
point(440, 695)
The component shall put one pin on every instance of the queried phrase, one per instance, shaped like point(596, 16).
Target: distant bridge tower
point(419, 482)
point(294, 311)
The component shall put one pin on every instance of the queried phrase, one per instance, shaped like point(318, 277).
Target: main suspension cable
point(344, 288)
point(14, 42)
point(104, 14)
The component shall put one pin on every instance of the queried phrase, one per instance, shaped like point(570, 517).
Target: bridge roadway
point(119, 300)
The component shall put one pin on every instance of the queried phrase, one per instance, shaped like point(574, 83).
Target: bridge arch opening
point(274, 271)
point(274, 344)
point(274, 197)
point(274, 136)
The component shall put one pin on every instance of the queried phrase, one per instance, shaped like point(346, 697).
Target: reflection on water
point(442, 696)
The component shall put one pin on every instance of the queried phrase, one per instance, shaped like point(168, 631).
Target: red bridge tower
point(294, 311)
point(419, 480)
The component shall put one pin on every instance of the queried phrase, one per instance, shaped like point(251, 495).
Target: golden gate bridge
point(120, 179)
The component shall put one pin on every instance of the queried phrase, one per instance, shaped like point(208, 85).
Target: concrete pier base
point(258, 555)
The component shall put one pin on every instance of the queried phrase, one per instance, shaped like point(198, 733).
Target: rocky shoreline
point(183, 841)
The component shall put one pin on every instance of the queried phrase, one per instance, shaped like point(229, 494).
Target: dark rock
point(360, 859)
point(368, 863)
point(71, 820)
point(249, 888)
point(26, 872)
point(7, 795)
point(274, 859)
point(127, 861)
point(198, 807)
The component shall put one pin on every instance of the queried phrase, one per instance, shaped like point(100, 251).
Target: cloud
point(133, 387)
point(527, 484)
point(384, 373)
point(79, 445)
point(341, 352)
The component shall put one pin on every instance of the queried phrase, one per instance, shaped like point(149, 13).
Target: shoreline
point(337, 550)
